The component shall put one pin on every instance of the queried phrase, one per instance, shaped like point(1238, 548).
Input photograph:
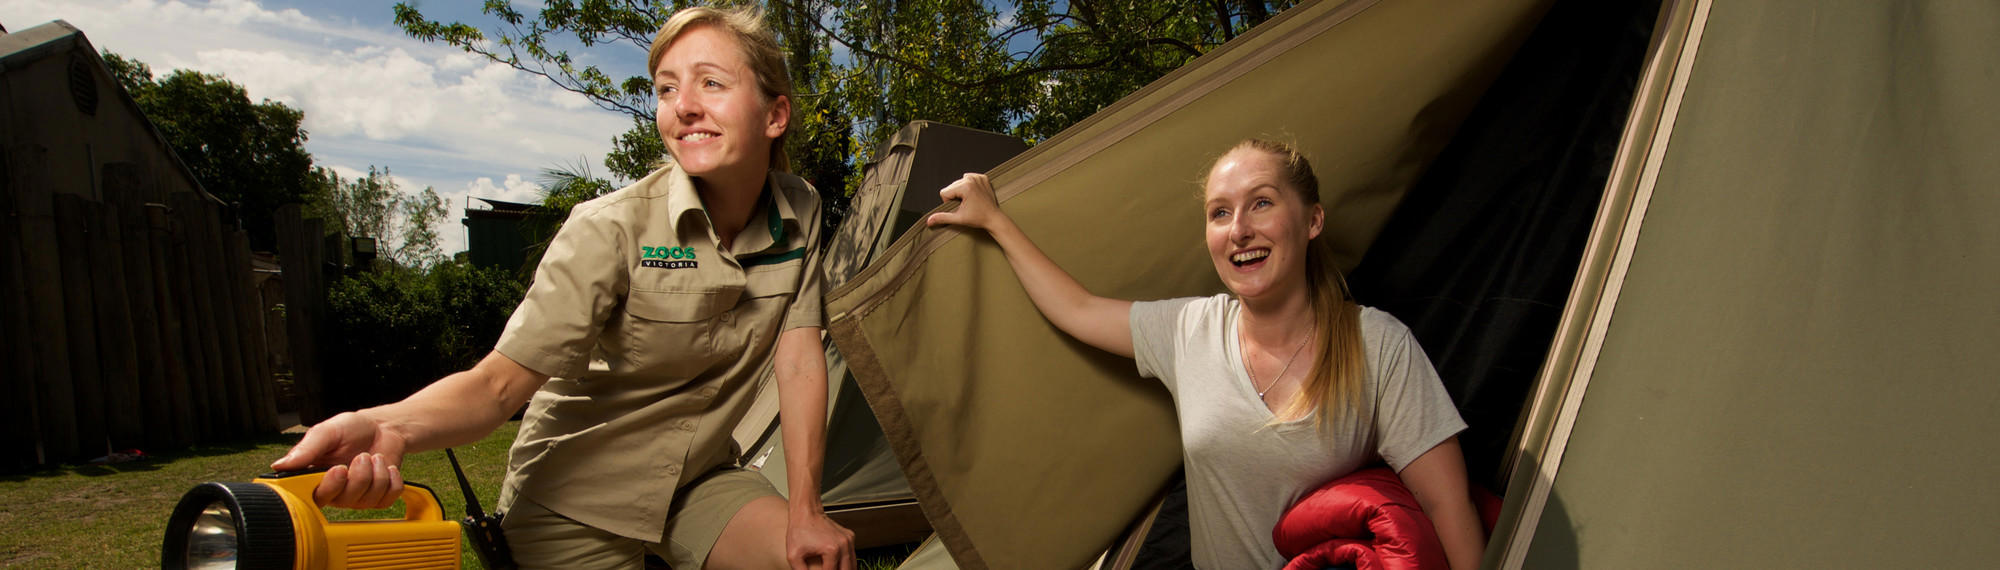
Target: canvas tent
point(1028, 450)
point(1787, 367)
point(1779, 345)
point(862, 487)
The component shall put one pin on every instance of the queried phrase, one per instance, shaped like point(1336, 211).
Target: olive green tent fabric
point(1797, 367)
point(1027, 449)
point(922, 153)
point(862, 487)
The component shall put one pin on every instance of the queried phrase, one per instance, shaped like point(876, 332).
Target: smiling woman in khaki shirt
point(638, 345)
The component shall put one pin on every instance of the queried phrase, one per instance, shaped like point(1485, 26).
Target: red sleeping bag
point(1367, 519)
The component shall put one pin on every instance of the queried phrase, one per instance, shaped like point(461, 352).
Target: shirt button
point(727, 317)
point(673, 470)
point(687, 425)
point(709, 392)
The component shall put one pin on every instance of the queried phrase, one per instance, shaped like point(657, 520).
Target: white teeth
point(1249, 256)
point(691, 137)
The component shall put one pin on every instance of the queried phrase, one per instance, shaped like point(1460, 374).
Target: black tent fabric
point(1479, 257)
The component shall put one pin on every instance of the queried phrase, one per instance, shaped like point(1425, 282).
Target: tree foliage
point(397, 329)
point(249, 154)
point(864, 68)
point(405, 225)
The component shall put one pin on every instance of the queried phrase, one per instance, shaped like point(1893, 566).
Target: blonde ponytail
point(1339, 362)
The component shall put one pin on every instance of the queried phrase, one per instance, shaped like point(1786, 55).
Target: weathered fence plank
point(125, 191)
point(219, 324)
point(228, 338)
point(198, 320)
point(117, 350)
point(80, 316)
point(174, 358)
point(299, 254)
point(55, 398)
point(22, 420)
point(263, 410)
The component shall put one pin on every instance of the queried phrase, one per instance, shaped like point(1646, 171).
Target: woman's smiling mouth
point(1248, 257)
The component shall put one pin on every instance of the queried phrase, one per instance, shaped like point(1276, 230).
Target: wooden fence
point(130, 321)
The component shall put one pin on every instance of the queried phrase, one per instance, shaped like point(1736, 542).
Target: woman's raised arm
point(1097, 321)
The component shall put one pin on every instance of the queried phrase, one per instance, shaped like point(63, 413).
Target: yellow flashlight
point(272, 523)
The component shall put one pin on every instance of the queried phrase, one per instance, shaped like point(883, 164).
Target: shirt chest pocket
point(773, 280)
point(673, 332)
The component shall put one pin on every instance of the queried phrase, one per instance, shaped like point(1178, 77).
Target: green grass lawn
point(114, 516)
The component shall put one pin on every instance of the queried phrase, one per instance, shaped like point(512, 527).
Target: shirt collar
point(770, 223)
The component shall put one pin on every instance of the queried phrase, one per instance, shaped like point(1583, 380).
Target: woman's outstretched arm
point(1097, 321)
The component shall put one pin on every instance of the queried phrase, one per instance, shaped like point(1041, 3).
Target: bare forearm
point(1437, 478)
point(460, 408)
point(801, 377)
point(1459, 529)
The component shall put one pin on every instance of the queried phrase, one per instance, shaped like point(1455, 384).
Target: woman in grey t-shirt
point(1263, 420)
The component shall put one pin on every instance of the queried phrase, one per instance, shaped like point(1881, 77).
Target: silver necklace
point(1252, 370)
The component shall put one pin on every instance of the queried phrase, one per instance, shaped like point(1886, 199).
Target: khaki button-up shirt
point(653, 336)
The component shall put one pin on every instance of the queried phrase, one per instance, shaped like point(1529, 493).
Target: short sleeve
point(1156, 336)
point(1413, 411)
point(578, 284)
point(808, 306)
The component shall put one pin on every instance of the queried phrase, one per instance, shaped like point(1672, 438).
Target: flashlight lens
point(212, 539)
point(229, 525)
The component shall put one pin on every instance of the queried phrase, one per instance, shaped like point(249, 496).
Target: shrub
point(394, 330)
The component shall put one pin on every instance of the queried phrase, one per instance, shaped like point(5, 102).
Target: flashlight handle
point(419, 503)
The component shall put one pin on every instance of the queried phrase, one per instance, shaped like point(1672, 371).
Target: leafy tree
point(636, 151)
point(399, 328)
point(1029, 67)
point(249, 154)
point(404, 225)
point(417, 244)
point(563, 187)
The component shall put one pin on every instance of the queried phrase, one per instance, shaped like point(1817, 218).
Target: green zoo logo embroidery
point(667, 257)
point(667, 253)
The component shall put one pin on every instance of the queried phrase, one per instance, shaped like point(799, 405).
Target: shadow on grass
point(152, 462)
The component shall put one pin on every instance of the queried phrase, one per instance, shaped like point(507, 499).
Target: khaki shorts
point(540, 538)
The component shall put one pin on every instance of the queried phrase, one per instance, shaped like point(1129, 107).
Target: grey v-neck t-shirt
point(1243, 473)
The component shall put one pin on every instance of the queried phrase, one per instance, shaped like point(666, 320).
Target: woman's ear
point(1318, 221)
point(780, 117)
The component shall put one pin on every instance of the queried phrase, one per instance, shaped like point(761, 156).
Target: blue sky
point(373, 97)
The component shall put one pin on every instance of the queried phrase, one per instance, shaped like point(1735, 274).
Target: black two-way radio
point(487, 539)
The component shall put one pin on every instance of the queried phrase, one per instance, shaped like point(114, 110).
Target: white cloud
point(1005, 19)
point(347, 172)
point(569, 100)
point(513, 189)
point(460, 61)
point(382, 95)
point(434, 115)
